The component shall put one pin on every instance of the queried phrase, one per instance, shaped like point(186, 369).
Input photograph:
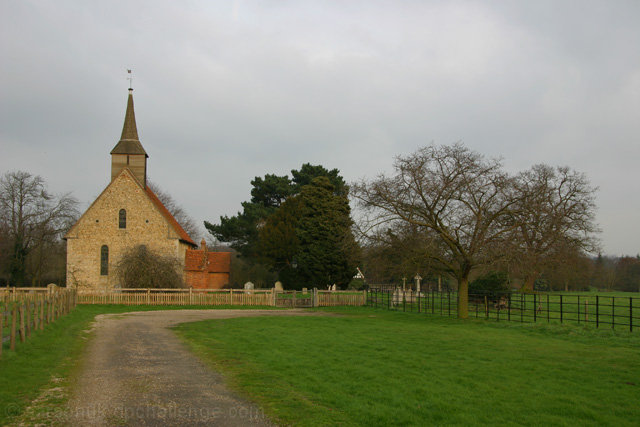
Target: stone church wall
point(145, 225)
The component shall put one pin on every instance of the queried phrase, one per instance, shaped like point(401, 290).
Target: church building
point(127, 214)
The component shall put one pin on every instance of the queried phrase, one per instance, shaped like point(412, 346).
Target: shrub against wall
point(141, 267)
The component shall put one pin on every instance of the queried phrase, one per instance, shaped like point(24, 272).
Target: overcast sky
point(225, 91)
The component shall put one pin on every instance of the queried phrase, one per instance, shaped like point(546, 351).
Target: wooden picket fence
point(24, 310)
point(214, 297)
point(341, 298)
point(178, 297)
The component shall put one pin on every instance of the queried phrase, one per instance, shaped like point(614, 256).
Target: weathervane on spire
point(130, 78)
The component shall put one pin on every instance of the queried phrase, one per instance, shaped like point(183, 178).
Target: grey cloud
point(227, 91)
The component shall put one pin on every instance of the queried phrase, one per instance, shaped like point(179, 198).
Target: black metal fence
point(588, 309)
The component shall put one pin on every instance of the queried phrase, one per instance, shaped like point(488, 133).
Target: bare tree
point(570, 270)
point(141, 267)
point(457, 194)
point(31, 217)
point(555, 215)
point(402, 250)
point(187, 223)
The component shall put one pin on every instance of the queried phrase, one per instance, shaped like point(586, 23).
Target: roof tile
point(165, 212)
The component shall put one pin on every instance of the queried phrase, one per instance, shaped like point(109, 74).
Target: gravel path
point(137, 372)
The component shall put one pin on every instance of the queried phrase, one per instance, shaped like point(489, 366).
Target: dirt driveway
point(137, 372)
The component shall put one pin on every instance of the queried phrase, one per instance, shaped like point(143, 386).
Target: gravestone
point(278, 286)
point(398, 295)
point(248, 286)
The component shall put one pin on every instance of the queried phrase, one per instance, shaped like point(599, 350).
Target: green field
point(374, 367)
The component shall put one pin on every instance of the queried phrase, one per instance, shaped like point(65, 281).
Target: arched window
point(104, 260)
point(122, 218)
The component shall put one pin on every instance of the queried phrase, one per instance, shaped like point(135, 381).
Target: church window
point(122, 216)
point(104, 260)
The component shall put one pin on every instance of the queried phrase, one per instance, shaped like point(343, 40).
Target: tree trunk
point(529, 282)
point(463, 297)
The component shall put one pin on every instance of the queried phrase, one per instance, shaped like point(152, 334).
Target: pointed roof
point(171, 220)
point(184, 236)
point(129, 142)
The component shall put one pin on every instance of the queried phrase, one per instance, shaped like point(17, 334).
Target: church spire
point(129, 142)
point(130, 130)
point(129, 152)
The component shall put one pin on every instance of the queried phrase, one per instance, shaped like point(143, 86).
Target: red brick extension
point(206, 270)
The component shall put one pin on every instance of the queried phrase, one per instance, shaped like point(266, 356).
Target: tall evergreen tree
point(300, 227)
point(309, 240)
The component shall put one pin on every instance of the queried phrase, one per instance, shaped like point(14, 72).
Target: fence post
point(509, 308)
point(578, 309)
point(42, 313)
point(486, 308)
point(22, 335)
point(364, 296)
point(433, 301)
point(560, 308)
point(521, 307)
point(586, 311)
point(548, 312)
point(630, 314)
point(28, 320)
point(535, 309)
point(14, 315)
point(449, 303)
point(35, 314)
point(597, 311)
point(418, 301)
point(613, 312)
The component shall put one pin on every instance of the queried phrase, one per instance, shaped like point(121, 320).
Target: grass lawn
point(373, 367)
point(53, 354)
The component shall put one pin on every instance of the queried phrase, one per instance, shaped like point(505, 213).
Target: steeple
point(129, 152)
point(129, 130)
